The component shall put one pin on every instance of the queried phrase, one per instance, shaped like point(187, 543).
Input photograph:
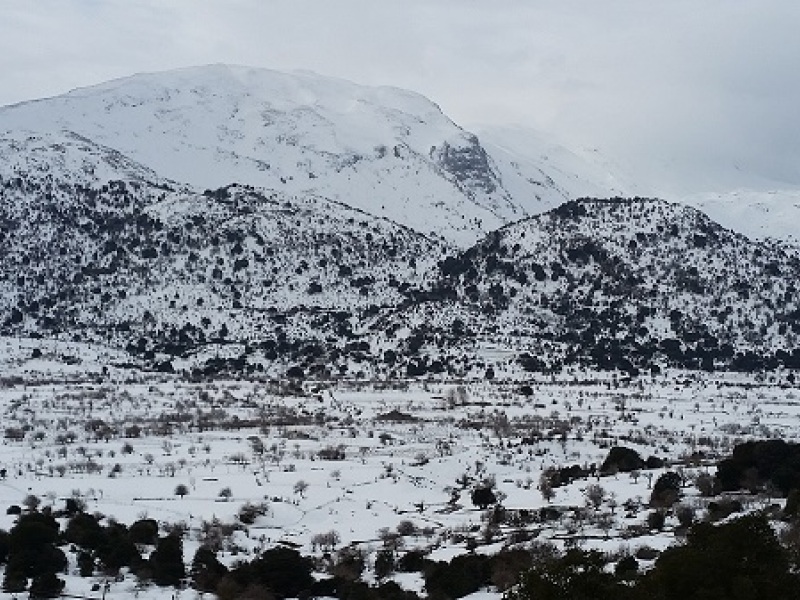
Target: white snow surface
point(419, 470)
point(756, 214)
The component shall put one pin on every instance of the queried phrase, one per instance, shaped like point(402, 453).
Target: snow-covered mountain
point(387, 151)
point(771, 214)
point(614, 283)
point(232, 218)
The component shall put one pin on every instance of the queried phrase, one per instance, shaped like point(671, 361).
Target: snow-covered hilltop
point(387, 151)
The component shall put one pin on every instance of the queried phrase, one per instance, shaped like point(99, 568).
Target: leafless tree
point(594, 495)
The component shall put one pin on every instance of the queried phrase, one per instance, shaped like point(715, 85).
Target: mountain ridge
point(312, 274)
point(390, 152)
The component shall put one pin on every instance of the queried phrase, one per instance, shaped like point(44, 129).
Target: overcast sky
point(710, 84)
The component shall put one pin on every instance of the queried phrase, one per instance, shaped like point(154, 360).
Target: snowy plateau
point(282, 323)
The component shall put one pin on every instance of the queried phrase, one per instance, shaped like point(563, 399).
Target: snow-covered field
point(375, 463)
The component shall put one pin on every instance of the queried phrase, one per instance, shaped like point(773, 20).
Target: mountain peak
point(387, 151)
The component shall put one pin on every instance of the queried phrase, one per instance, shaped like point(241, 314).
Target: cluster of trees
point(740, 559)
point(30, 553)
point(756, 465)
point(33, 555)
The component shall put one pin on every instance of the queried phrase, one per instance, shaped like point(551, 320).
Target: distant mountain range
point(387, 151)
point(225, 218)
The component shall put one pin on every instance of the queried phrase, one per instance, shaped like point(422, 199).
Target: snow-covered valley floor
point(378, 464)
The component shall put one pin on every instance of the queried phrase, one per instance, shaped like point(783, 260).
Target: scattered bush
point(666, 490)
point(621, 459)
point(483, 497)
point(249, 512)
point(144, 531)
point(753, 464)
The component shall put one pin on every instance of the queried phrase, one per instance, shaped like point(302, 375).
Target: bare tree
point(31, 502)
point(300, 488)
point(605, 522)
point(594, 495)
point(325, 541)
point(546, 488)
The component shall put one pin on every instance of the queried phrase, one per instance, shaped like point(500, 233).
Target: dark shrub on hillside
point(723, 508)
point(144, 531)
point(117, 550)
point(281, 570)
point(84, 531)
point(621, 459)
point(565, 475)
point(384, 563)
point(463, 575)
point(46, 585)
point(755, 463)
point(166, 561)
point(506, 567)
point(656, 520)
point(32, 550)
point(653, 462)
point(627, 568)
point(411, 562)
point(72, 506)
point(86, 564)
point(666, 490)
point(549, 513)
point(349, 564)
point(206, 570)
point(739, 559)
point(483, 497)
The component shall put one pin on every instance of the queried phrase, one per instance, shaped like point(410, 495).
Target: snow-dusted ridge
point(388, 151)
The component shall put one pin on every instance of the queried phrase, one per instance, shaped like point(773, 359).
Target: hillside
point(251, 279)
point(167, 272)
point(615, 284)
